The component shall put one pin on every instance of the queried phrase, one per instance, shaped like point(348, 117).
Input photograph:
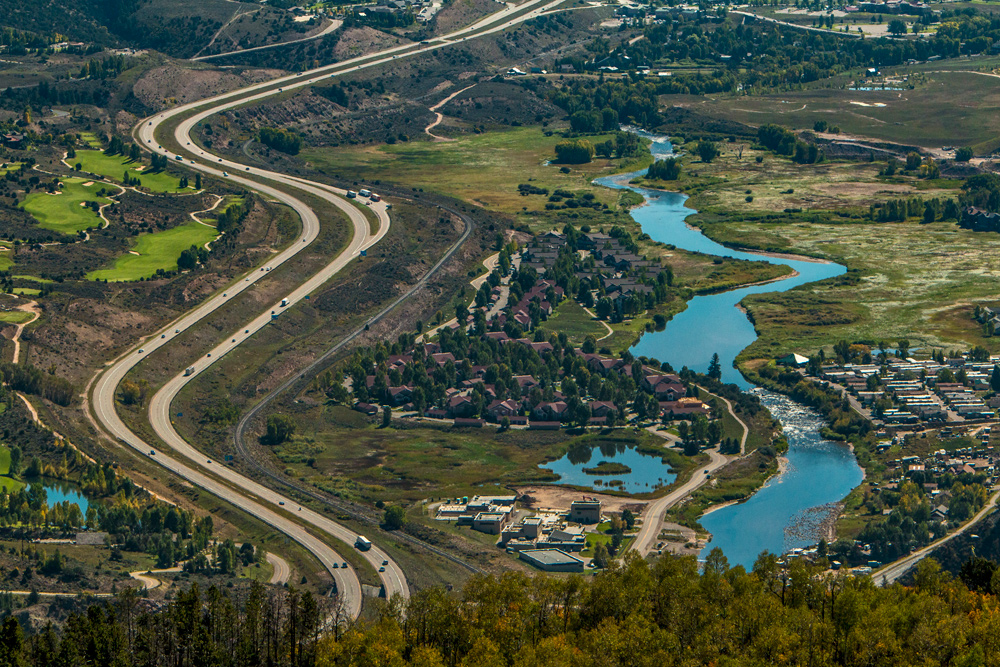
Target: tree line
point(32, 380)
point(635, 613)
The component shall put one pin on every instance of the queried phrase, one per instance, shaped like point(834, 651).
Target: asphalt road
point(281, 569)
point(323, 33)
point(893, 571)
point(655, 512)
point(257, 500)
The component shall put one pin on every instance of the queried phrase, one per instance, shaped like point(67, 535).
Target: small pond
point(56, 493)
point(641, 473)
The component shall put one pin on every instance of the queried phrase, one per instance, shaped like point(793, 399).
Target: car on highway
point(335, 566)
point(152, 453)
point(385, 562)
point(344, 565)
point(281, 502)
point(381, 569)
point(224, 174)
point(141, 351)
point(208, 461)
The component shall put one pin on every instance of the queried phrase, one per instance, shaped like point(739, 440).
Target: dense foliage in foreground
point(662, 614)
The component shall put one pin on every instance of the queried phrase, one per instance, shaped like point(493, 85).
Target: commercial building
point(587, 510)
point(552, 560)
point(491, 523)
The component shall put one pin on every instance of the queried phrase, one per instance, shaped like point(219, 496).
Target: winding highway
point(257, 500)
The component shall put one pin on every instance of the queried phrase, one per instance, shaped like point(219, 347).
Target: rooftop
point(549, 557)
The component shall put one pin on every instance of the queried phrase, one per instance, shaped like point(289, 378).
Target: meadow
point(155, 251)
point(570, 318)
point(66, 212)
point(908, 280)
point(113, 167)
point(483, 168)
point(945, 107)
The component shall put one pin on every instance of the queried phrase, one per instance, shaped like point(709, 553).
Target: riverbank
point(713, 324)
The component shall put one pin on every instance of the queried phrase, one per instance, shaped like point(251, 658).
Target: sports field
point(159, 250)
point(65, 212)
point(114, 166)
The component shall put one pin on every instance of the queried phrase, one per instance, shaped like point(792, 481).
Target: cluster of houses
point(546, 539)
point(980, 220)
point(615, 266)
point(471, 401)
point(987, 316)
point(925, 470)
point(639, 11)
point(424, 10)
point(462, 409)
point(907, 7)
point(916, 390)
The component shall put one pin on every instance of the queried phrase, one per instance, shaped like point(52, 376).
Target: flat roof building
point(491, 523)
point(552, 560)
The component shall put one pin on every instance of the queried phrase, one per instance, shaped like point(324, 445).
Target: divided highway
point(265, 504)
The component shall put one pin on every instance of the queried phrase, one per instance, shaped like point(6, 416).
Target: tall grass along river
point(795, 507)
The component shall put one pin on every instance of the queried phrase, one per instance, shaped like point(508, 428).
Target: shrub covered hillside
point(637, 613)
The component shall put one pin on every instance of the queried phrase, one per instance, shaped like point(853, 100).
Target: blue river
point(794, 507)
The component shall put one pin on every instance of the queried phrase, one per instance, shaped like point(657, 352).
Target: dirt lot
point(555, 497)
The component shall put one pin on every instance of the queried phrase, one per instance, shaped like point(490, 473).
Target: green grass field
point(14, 317)
point(6, 260)
point(113, 167)
point(484, 168)
point(159, 250)
point(65, 212)
point(570, 318)
point(90, 139)
point(8, 484)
